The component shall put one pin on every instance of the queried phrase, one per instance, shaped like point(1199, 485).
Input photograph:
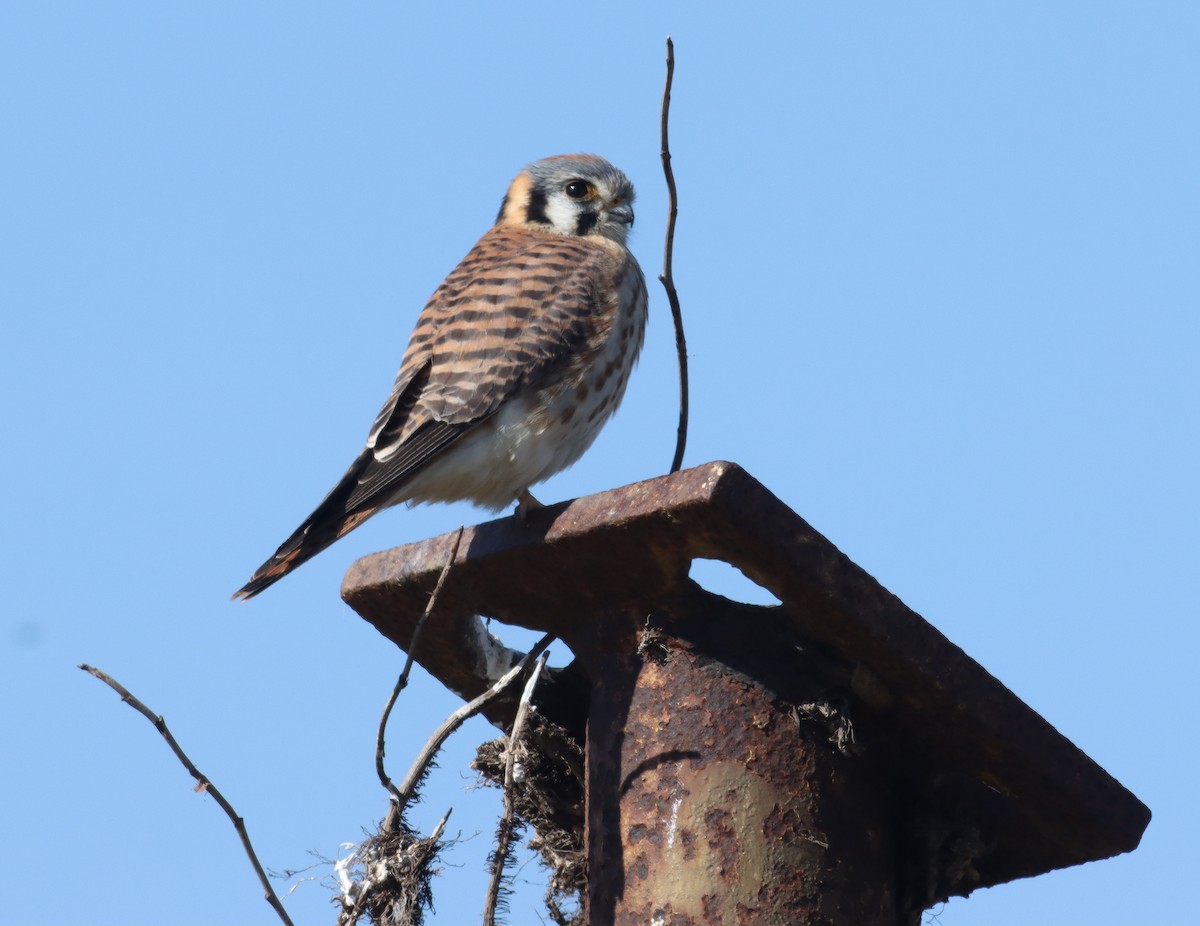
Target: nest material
point(386, 880)
point(548, 798)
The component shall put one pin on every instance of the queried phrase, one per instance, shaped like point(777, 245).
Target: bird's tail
point(330, 521)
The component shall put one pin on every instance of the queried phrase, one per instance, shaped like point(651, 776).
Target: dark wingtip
point(330, 521)
point(248, 591)
point(245, 593)
point(267, 575)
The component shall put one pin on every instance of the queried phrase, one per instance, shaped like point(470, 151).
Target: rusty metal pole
point(709, 800)
point(833, 760)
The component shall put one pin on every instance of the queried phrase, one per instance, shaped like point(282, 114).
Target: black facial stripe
point(536, 210)
point(503, 206)
point(587, 221)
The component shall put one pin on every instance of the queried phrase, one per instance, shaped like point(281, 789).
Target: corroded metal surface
point(989, 791)
point(709, 801)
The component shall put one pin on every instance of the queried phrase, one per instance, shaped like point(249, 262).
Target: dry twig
point(666, 277)
point(507, 825)
point(402, 683)
point(550, 800)
point(387, 876)
point(203, 783)
point(461, 716)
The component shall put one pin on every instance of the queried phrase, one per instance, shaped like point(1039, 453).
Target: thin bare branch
point(441, 827)
point(504, 831)
point(203, 783)
point(666, 277)
point(458, 718)
point(402, 681)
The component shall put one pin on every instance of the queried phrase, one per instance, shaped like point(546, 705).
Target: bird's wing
point(520, 305)
point(518, 308)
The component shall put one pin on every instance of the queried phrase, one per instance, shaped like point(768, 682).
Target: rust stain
point(955, 762)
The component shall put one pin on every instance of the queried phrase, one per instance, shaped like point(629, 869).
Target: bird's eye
point(578, 189)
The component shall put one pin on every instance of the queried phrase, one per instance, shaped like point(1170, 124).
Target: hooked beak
point(622, 214)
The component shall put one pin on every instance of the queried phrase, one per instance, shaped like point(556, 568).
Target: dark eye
point(578, 189)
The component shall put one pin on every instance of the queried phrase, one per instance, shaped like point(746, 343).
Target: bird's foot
point(525, 504)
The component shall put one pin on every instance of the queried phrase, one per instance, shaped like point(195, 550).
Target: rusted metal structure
point(834, 759)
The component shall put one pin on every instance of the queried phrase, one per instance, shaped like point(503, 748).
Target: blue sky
point(938, 264)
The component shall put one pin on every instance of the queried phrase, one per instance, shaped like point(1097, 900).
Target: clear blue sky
point(939, 267)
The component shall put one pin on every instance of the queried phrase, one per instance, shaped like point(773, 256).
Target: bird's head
point(571, 194)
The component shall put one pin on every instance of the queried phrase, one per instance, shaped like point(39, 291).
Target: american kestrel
point(517, 361)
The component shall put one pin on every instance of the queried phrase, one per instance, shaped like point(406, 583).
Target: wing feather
point(519, 307)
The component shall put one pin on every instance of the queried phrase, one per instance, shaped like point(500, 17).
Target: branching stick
point(461, 716)
point(402, 681)
point(203, 783)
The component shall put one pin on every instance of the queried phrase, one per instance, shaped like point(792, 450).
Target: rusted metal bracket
point(832, 759)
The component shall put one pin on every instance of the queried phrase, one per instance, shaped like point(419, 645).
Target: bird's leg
point(525, 504)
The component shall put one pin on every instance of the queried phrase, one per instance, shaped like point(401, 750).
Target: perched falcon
point(515, 364)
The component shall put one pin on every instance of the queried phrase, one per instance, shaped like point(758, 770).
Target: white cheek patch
point(562, 213)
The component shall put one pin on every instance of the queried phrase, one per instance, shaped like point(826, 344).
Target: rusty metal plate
point(963, 746)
